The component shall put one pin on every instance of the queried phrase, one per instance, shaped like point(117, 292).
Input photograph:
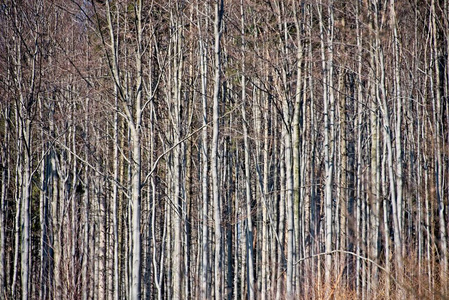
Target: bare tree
point(218, 255)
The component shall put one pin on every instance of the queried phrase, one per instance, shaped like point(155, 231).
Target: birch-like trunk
point(115, 163)
point(388, 140)
point(287, 111)
point(249, 223)
point(178, 157)
point(85, 280)
point(296, 129)
point(136, 211)
point(344, 79)
point(204, 278)
point(25, 87)
point(398, 128)
point(280, 238)
point(5, 179)
point(218, 259)
point(438, 144)
point(132, 109)
point(265, 268)
point(328, 100)
point(25, 210)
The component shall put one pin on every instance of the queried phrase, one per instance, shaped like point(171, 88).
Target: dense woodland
point(188, 149)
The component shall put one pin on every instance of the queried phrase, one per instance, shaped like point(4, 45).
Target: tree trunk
point(249, 224)
point(214, 154)
point(25, 207)
point(204, 267)
point(438, 144)
point(5, 179)
point(328, 98)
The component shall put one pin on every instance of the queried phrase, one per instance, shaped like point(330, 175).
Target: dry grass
point(414, 283)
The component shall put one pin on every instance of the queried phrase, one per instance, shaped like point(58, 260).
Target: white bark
point(398, 129)
point(5, 179)
point(439, 165)
point(296, 145)
point(214, 154)
point(178, 157)
point(328, 99)
point(266, 286)
point(115, 200)
point(388, 141)
point(280, 241)
point(249, 230)
point(204, 282)
point(26, 213)
point(134, 121)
